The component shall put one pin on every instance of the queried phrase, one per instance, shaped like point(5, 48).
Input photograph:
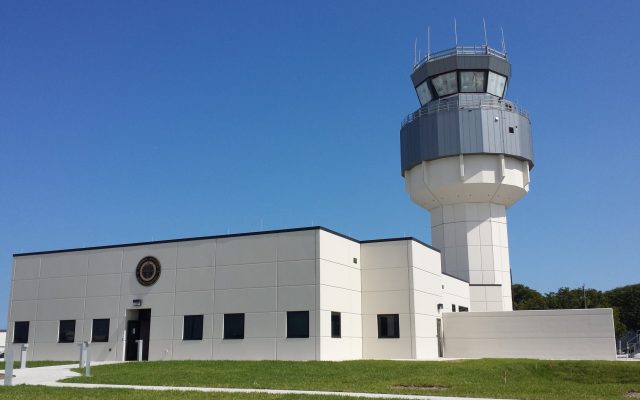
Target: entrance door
point(133, 334)
point(138, 329)
point(439, 333)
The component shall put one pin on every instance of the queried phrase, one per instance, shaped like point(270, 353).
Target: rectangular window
point(463, 309)
point(388, 326)
point(67, 331)
point(496, 84)
point(234, 326)
point(472, 81)
point(445, 84)
point(192, 328)
point(21, 332)
point(100, 331)
point(424, 95)
point(453, 307)
point(297, 324)
point(336, 329)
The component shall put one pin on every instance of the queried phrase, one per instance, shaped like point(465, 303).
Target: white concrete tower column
point(468, 197)
point(474, 245)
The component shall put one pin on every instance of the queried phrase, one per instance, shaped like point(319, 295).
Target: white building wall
point(385, 290)
point(454, 292)
point(426, 293)
point(549, 334)
point(340, 291)
point(263, 276)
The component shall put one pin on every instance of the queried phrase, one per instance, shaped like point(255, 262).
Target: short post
point(8, 366)
point(23, 355)
point(140, 343)
point(87, 362)
point(82, 354)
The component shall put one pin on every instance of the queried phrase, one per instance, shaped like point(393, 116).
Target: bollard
point(82, 354)
point(8, 365)
point(87, 362)
point(140, 343)
point(23, 355)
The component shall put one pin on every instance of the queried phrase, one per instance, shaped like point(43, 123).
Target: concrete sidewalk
point(49, 376)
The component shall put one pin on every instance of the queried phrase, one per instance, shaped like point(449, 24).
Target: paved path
point(49, 376)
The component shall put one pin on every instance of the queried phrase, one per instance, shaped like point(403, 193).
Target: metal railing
point(629, 345)
point(441, 105)
point(462, 50)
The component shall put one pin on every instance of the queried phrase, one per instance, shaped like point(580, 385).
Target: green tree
point(525, 298)
point(627, 300)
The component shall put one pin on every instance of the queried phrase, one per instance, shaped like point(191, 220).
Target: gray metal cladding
point(465, 125)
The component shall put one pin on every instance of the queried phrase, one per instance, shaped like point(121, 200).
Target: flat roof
point(309, 228)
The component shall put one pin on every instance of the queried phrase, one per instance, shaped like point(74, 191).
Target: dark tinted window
point(298, 324)
point(234, 326)
point(67, 332)
point(463, 309)
point(453, 307)
point(192, 327)
point(100, 331)
point(336, 329)
point(388, 326)
point(21, 332)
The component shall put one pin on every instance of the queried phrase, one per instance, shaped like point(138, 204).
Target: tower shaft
point(474, 245)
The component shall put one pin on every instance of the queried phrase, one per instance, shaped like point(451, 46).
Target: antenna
point(428, 42)
point(484, 26)
point(415, 52)
point(455, 30)
point(504, 47)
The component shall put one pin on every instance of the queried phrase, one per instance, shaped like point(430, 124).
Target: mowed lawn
point(51, 393)
point(518, 379)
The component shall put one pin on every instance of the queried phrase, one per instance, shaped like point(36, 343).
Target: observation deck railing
point(441, 105)
point(462, 50)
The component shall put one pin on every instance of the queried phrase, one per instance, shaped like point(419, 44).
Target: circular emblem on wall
point(148, 271)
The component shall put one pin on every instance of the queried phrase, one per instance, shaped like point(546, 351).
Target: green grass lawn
point(525, 379)
point(33, 364)
point(50, 393)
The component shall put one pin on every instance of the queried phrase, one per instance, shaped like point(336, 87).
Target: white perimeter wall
point(548, 334)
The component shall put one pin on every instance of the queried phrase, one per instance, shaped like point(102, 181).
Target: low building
point(299, 294)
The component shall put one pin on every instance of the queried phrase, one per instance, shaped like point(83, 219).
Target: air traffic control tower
point(466, 157)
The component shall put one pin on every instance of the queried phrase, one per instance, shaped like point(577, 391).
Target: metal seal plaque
point(148, 271)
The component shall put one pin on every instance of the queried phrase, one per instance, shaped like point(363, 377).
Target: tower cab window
point(472, 81)
point(424, 94)
point(445, 84)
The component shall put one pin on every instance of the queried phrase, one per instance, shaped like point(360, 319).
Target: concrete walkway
point(49, 376)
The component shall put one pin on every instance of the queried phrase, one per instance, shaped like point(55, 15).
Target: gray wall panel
point(456, 129)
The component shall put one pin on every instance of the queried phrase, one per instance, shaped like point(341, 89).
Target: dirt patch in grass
point(632, 395)
point(420, 387)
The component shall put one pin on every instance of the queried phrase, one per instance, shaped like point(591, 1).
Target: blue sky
point(141, 120)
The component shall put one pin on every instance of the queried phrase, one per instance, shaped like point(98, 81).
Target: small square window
point(388, 326)
point(512, 129)
point(297, 324)
point(234, 326)
point(355, 260)
point(192, 328)
point(67, 331)
point(336, 328)
point(100, 331)
point(21, 332)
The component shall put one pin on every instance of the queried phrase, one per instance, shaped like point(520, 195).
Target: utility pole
point(584, 296)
